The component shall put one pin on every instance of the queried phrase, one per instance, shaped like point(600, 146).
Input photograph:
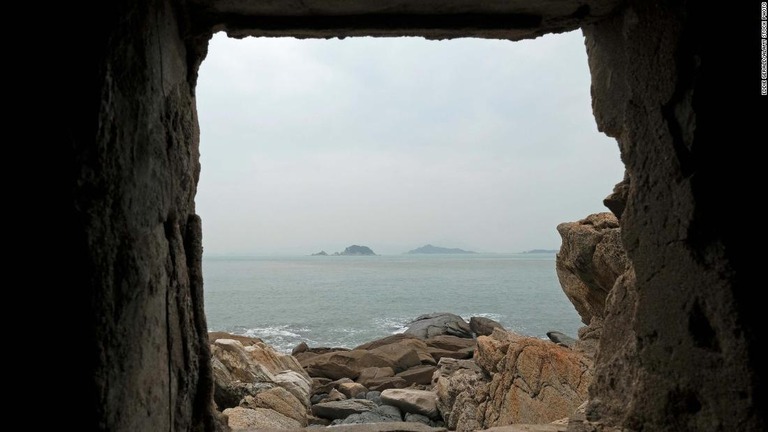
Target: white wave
point(393, 325)
point(493, 316)
point(273, 331)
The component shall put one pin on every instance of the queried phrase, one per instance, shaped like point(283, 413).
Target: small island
point(429, 249)
point(541, 251)
point(353, 250)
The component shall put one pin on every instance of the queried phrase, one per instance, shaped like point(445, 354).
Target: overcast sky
point(310, 145)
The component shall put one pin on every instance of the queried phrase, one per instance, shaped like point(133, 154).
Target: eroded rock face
point(590, 259)
point(462, 388)
point(532, 380)
point(513, 379)
point(677, 330)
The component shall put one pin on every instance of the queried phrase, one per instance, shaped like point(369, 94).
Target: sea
point(345, 301)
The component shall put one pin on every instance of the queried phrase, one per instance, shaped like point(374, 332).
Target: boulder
point(245, 340)
point(447, 366)
point(240, 418)
point(395, 338)
point(439, 323)
point(341, 364)
point(412, 401)
point(297, 384)
point(225, 394)
point(300, 348)
point(450, 343)
point(417, 418)
point(561, 339)
point(381, 384)
point(333, 396)
point(401, 356)
point(532, 380)
point(234, 357)
point(402, 340)
point(351, 390)
point(373, 373)
point(280, 400)
point(272, 360)
point(342, 409)
point(462, 392)
point(482, 326)
point(421, 374)
point(380, 414)
point(590, 260)
point(439, 353)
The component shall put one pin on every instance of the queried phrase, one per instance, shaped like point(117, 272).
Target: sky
point(394, 143)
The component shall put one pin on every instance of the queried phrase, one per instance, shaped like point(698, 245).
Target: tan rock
point(341, 364)
point(298, 384)
point(421, 374)
point(351, 390)
point(234, 357)
point(462, 391)
point(381, 384)
point(372, 373)
point(403, 340)
point(439, 353)
point(272, 360)
point(245, 340)
point(333, 396)
point(590, 260)
point(450, 343)
point(412, 401)
point(280, 400)
point(533, 380)
point(401, 356)
point(240, 418)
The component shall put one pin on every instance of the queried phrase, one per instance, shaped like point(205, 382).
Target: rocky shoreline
point(442, 373)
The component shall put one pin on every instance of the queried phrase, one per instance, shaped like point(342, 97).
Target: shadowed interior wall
point(679, 349)
point(137, 240)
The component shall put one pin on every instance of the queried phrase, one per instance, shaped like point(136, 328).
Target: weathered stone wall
point(678, 346)
point(137, 241)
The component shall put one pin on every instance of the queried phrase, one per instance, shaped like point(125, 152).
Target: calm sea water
point(345, 301)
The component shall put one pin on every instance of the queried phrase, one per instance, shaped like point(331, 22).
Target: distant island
point(429, 249)
point(541, 251)
point(353, 250)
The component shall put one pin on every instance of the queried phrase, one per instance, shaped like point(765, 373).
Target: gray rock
point(374, 396)
point(439, 323)
point(300, 348)
point(390, 411)
point(417, 418)
point(382, 414)
point(482, 326)
point(342, 409)
point(561, 339)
